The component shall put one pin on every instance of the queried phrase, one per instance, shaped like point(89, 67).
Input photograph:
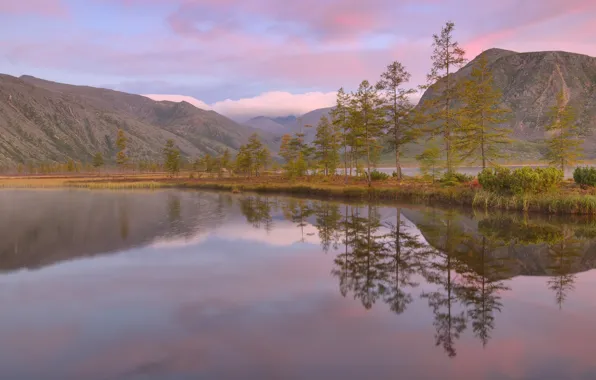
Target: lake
point(204, 285)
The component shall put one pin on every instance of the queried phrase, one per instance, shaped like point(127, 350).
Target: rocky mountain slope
point(530, 83)
point(48, 121)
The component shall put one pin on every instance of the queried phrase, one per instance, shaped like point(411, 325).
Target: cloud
point(275, 103)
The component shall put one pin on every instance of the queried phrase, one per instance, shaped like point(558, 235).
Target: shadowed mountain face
point(48, 121)
point(530, 83)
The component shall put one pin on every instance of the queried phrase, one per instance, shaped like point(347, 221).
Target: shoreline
point(568, 199)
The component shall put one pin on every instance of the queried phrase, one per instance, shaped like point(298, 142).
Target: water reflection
point(421, 276)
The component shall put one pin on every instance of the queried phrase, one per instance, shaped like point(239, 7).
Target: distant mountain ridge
point(48, 121)
point(306, 123)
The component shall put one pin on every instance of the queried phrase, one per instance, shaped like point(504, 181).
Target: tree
point(225, 160)
point(259, 154)
point(98, 161)
point(171, 158)
point(480, 132)
point(326, 146)
point(564, 146)
point(70, 166)
point(429, 160)
point(341, 121)
point(243, 161)
point(447, 56)
point(367, 113)
point(398, 109)
point(121, 142)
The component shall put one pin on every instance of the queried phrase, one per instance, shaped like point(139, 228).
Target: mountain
point(48, 121)
point(530, 83)
point(291, 124)
point(266, 124)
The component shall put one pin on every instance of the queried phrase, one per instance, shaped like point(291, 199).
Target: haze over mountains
point(47, 121)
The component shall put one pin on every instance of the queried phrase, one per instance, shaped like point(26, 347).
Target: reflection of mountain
point(39, 228)
point(523, 244)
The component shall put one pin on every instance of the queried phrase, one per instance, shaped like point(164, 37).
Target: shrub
point(376, 175)
point(456, 178)
point(585, 176)
point(521, 181)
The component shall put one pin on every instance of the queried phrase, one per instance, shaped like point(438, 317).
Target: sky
point(245, 58)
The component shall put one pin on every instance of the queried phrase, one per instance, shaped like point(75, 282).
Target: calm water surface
point(199, 285)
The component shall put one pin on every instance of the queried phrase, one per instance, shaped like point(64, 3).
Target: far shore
point(567, 199)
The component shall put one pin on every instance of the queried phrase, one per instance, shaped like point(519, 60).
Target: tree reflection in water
point(463, 262)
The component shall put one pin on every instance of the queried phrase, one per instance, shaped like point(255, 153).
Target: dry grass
point(569, 199)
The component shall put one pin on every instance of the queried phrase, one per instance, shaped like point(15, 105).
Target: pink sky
point(218, 50)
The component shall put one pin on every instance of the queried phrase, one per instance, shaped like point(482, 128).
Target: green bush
point(585, 176)
point(376, 175)
point(456, 178)
point(520, 181)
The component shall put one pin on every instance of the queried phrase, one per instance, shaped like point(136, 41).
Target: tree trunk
point(397, 163)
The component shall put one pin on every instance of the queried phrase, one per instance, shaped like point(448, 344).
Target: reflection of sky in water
point(229, 300)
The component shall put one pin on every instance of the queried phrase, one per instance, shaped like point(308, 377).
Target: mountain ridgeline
point(43, 121)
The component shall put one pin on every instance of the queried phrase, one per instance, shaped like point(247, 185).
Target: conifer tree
point(98, 161)
point(326, 146)
point(447, 56)
point(367, 115)
point(564, 146)
point(121, 142)
point(340, 119)
point(481, 135)
point(398, 109)
point(171, 158)
point(429, 160)
point(225, 159)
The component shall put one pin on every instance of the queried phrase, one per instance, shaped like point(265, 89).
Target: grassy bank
point(568, 199)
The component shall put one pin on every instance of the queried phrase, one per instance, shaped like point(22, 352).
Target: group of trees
point(460, 121)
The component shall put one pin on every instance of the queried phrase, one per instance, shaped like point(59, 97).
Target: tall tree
point(225, 160)
point(446, 58)
point(171, 158)
point(121, 142)
point(326, 146)
point(564, 146)
point(340, 119)
point(481, 135)
point(98, 161)
point(398, 108)
point(368, 115)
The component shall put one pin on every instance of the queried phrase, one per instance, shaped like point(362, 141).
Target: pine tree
point(225, 160)
point(447, 56)
point(480, 134)
point(429, 160)
point(326, 146)
point(171, 158)
point(98, 161)
point(367, 114)
point(121, 142)
point(564, 146)
point(398, 108)
point(341, 121)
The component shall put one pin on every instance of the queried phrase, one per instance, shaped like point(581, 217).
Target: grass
point(568, 199)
